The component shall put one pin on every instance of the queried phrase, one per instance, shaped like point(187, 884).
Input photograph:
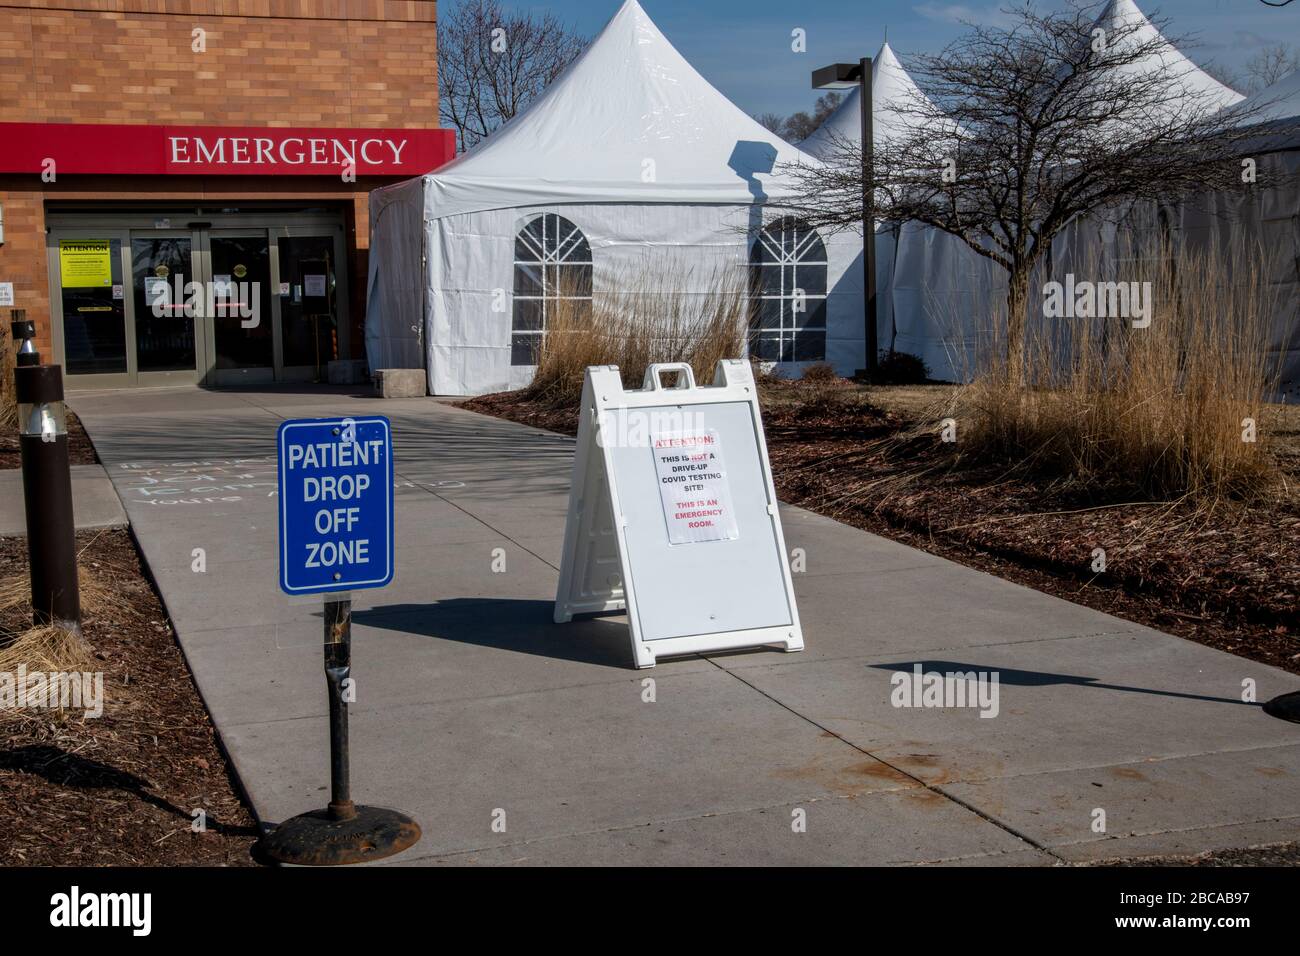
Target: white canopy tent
point(629, 164)
point(1259, 226)
point(1278, 103)
point(935, 294)
point(892, 90)
point(1185, 82)
point(929, 284)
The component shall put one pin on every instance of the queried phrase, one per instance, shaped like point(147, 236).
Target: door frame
point(54, 271)
point(157, 379)
point(121, 224)
point(305, 373)
point(257, 375)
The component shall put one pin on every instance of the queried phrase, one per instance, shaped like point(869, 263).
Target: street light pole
point(842, 76)
point(869, 219)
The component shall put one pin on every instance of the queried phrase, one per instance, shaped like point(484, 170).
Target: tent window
point(787, 267)
point(552, 277)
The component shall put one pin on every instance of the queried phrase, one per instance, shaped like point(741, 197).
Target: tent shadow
point(518, 626)
point(1018, 678)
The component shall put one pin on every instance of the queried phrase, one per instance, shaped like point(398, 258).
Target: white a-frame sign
point(672, 516)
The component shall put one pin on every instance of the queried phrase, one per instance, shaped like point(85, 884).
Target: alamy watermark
point(1098, 300)
point(74, 908)
point(54, 690)
point(637, 428)
point(934, 689)
point(226, 298)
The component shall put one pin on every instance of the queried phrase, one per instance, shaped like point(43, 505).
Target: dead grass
point(118, 788)
point(1176, 409)
point(642, 319)
point(818, 393)
point(96, 597)
point(47, 649)
point(51, 649)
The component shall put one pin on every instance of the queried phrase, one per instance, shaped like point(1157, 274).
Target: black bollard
point(47, 486)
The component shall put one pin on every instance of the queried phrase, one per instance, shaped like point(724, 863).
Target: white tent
point(892, 91)
point(1276, 110)
point(1269, 216)
point(630, 162)
point(929, 284)
point(1278, 102)
point(1185, 82)
point(1258, 226)
point(934, 292)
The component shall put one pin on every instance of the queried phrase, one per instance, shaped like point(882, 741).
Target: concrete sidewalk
point(470, 701)
point(95, 503)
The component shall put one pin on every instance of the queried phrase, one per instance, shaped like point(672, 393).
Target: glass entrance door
point(169, 348)
point(86, 275)
point(237, 298)
point(309, 303)
point(243, 327)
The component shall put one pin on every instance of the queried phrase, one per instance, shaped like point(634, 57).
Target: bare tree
point(1271, 64)
point(799, 126)
point(1030, 123)
point(772, 122)
point(492, 64)
point(1225, 75)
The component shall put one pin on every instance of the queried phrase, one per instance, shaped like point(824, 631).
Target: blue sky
point(743, 46)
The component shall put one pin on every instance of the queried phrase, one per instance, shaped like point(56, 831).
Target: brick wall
point(328, 63)
point(22, 258)
point(276, 63)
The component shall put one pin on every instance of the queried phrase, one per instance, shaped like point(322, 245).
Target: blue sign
point(336, 504)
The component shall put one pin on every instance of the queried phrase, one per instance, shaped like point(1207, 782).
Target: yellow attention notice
point(85, 263)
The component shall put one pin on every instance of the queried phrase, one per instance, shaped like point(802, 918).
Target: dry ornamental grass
point(641, 319)
point(1177, 408)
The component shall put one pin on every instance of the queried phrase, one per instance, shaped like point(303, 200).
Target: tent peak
point(629, 118)
point(894, 99)
point(1186, 79)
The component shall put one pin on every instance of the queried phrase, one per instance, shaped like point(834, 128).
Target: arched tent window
point(788, 293)
point(552, 271)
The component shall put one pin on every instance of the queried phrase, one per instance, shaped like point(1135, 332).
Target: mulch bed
point(1273, 854)
point(120, 789)
point(1227, 577)
point(80, 450)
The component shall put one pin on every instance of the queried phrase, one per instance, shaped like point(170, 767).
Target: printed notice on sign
point(693, 486)
point(85, 263)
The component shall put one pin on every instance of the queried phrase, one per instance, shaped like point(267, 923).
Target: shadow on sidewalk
point(521, 626)
point(1018, 678)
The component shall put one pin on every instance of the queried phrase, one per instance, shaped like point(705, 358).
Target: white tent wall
point(393, 288)
point(944, 295)
point(469, 295)
point(1256, 229)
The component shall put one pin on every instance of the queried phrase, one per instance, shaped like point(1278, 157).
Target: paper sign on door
point(693, 487)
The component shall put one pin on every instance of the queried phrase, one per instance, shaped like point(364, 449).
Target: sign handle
point(653, 382)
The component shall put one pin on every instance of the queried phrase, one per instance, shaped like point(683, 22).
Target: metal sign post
point(336, 535)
